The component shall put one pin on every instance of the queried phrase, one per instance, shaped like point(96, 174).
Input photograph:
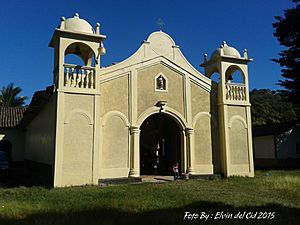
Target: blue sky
point(198, 27)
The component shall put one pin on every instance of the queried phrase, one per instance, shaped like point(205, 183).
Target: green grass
point(156, 203)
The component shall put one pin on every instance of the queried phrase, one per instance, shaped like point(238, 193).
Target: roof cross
point(160, 23)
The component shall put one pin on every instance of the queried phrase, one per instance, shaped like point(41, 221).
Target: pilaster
point(190, 149)
point(135, 152)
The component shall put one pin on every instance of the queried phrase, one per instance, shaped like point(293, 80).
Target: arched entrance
point(160, 145)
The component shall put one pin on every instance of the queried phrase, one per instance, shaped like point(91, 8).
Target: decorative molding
point(237, 117)
point(117, 114)
point(199, 115)
point(80, 112)
point(168, 111)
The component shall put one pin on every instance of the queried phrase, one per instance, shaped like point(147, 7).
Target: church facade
point(140, 116)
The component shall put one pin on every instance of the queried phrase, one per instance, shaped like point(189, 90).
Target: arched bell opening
point(79, 66)
point(77, 51)
point(234, 75)
point(160, 145)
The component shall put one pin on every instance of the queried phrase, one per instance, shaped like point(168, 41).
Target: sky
point(197, 26)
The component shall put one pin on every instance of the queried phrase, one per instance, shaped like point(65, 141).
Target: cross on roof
point(160, 24)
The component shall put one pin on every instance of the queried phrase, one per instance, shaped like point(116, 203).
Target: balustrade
point(79, 76)
point(235, 92)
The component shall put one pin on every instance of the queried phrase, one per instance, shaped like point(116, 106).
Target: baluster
point(234, 93)
point(227, 91)
point(83, 78)
point(75, 78)
point(72, 78)
point(67, 76)
point(92, 79)
point(242, 93)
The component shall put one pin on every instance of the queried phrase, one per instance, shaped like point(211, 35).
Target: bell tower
point(77, 90)
point(76, 36)
point(233, 109)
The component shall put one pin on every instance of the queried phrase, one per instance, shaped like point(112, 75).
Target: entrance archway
point(160, 145)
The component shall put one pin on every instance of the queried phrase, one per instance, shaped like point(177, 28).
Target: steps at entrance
point(206, 177)
point(125, 180)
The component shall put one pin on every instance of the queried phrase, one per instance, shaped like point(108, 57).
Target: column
point(190, 149)
point(184, 154)
point(135, 152)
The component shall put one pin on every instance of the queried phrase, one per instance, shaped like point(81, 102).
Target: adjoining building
point(141, 115)
point(277, 145)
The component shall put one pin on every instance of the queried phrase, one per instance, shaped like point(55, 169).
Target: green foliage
point(287, 32)
point(9, 96)
point(268, 107)
point(156, 203)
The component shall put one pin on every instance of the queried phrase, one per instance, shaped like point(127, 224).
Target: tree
point(9, 96)
point(269, 107)
point(287, 32)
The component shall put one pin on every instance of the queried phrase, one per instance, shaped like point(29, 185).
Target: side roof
point(275, 129)
point(11, 116)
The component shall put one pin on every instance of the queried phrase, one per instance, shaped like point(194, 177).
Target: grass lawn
point(159, 203)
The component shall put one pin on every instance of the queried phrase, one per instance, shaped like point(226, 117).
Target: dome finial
point(76, 15)
point(224, 43)
point(97, 28)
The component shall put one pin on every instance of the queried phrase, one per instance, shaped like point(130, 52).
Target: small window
point(161, 83)
point(298, 148)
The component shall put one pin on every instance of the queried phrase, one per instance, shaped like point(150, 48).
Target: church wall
point(40, 135)
point(148, 97)
point(238, 140)
point(200, 100)
point(214, 110)
point(200, 105)
point(203, 145)
point(114, 95)
point(115, 147)
point(114, 107)
point(78, 139)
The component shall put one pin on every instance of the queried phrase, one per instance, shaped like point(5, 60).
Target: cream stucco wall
point(40, 135)
point(78, 139)
point(148, 97)
point(77, 151)
point(115, 147)
point(114, 95)
point(200, 99)
point(16, 137)
point(239, 143)
point(203, 145)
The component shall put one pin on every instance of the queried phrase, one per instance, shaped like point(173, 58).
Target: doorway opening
point(160, 145)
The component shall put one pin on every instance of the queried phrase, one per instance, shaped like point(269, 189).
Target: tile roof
point(11, 116)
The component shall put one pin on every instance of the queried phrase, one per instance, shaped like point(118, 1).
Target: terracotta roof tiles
point(11, 116)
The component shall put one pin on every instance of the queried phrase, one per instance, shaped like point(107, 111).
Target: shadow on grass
point(283, 215)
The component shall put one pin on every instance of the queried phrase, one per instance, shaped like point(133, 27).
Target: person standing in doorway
point(176, 171)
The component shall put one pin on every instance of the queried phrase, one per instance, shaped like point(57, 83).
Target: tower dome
point(227, 51)
point(77, 24)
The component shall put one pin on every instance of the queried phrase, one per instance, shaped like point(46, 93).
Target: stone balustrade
point(235, 92)
point(79, 76)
